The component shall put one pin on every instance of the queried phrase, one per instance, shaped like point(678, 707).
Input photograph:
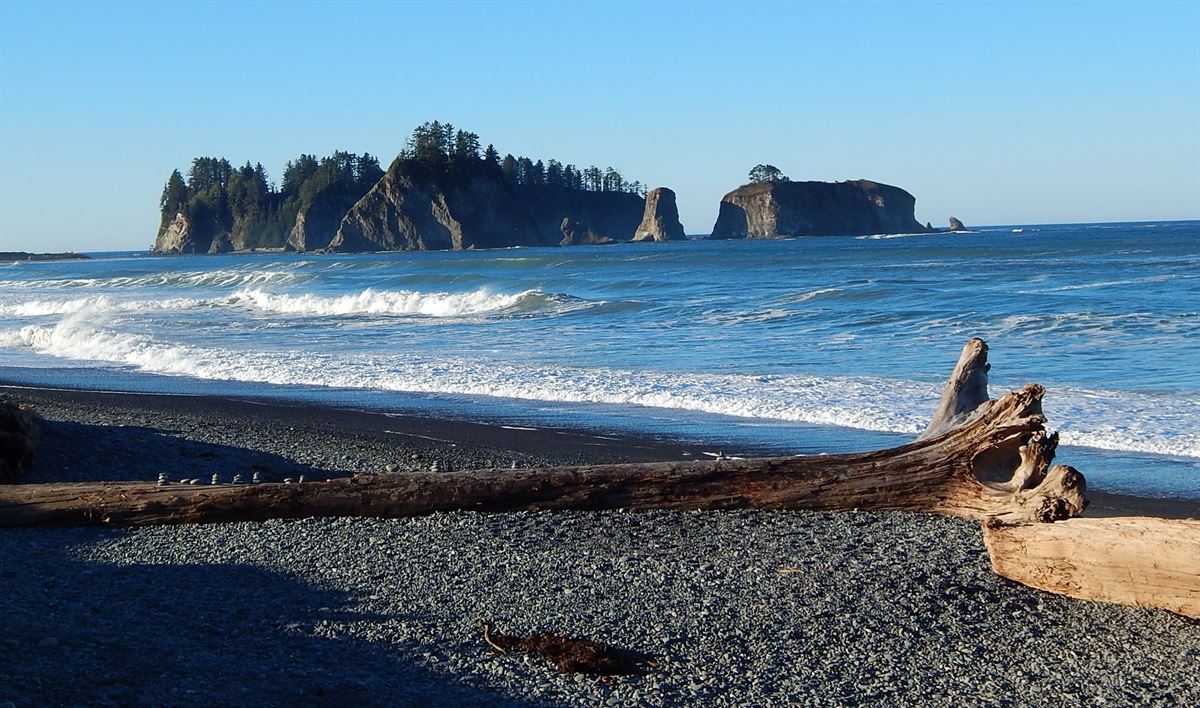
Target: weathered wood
point(967, 471)
point(966, 393)
point(1132, 560)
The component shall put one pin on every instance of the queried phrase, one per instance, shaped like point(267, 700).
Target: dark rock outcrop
point(408, 211)
point(577, 233)
point(9, 256)
point(956, 225)
point(660, 221)
point(782, 209)
point(18, 441)
point(221, 243)
point(582, 218)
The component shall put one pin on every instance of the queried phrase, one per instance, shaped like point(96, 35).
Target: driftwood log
point(980, 459)
point(1130, 560)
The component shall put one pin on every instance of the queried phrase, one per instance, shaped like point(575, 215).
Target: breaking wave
point(217, 278)
point(404, 302)
point(100, 303)
point(366, 302)
point(1139, 422)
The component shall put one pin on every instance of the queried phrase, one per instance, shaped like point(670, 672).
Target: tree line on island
point(446, 190)
point(217, 197)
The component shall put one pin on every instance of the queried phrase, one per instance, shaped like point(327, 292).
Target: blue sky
point(995, 113)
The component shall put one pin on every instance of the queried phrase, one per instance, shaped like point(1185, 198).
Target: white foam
point(366, 302)
point(218, 278)
point(805, 297)
point(1161, 424)
point(877, 237)
point(384, 302)
point(101, 303)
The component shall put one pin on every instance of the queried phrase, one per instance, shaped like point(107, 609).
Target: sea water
point(808, 345)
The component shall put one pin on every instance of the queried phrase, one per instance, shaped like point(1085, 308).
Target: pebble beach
point(731, 608)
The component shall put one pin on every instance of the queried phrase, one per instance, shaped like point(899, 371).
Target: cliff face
point(574, 218)
point(408, 212)
point(660, 221)
point(178, 236)
point(315, 226)
point(419, 206)
point(781, 209)
point(182, 235)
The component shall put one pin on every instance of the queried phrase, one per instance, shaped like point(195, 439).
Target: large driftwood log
point(996, 464)
point(1131, 560)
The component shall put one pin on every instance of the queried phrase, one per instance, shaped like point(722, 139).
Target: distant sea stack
point(442, 193)
point(661, 219)
point(956, 225)
point(10, 256)
point(782, 208)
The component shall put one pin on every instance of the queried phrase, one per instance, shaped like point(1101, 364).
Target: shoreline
point(92, 435)
point(745, 607)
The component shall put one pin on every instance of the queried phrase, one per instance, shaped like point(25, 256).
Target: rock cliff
point(408, 211)
point(580, 218)
point(660, 222)
point(784, 208)
point(178, 236)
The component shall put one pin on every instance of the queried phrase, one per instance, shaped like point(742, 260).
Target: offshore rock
point(660, 221)
point(221, 243)
point(9, 256)
point(782, 209)
point(956, 225)
point(596, 217)
point(576, 233)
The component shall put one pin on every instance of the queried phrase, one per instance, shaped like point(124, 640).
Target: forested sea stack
point(778, 208)
point(443, 192)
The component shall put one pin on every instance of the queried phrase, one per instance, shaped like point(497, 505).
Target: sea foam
point(1161, 424)
point(385, 302)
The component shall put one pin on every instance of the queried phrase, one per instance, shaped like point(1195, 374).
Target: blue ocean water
point(804, 345)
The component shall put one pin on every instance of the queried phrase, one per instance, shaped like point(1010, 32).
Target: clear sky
point(996, 113)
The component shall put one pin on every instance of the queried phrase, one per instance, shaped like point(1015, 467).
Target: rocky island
point(442, 193)
point(772, 206)
point(11, 256)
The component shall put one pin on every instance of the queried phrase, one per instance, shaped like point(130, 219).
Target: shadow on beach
point(80, 452)
point(80, 631)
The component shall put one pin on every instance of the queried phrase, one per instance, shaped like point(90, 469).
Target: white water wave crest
point(806, 296)
point(100, 303)
point(879, 237)
point(401, 302)
point(217, 278)
point(366, 302)
point(1138, 422)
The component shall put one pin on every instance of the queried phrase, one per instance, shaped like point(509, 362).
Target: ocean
point(807, 345)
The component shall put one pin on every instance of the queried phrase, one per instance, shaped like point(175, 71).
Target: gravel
point(89, 437)
point(893, 608)
point(737, 608)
